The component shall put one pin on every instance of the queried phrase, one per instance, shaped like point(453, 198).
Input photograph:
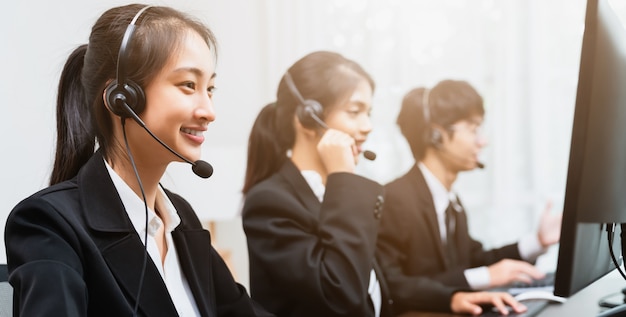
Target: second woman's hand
point(337, 151)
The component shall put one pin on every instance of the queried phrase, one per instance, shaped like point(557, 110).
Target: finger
point(467, 303)
point(499, 305)
point(534, 273)
point(470, 308)
point(517, 306)
point(527, 272)
point(523, 278)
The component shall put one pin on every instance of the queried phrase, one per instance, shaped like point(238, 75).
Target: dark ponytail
point(75, 135)
point(265, 154)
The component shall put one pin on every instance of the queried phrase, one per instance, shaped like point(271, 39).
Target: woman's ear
point(309, 133)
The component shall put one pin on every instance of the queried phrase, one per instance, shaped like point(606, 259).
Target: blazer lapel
point(301, 188)
point(427, 206)
point(120, 245)
point(154, 299)
point(196, 244)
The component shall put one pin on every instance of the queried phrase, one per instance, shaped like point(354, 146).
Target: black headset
point(124, 97)
point(433, 136)
point(309, 111)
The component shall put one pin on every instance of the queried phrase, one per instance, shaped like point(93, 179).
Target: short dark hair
point(448, 102)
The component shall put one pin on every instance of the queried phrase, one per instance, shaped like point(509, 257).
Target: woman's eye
point(211, 89)
point(189, 84)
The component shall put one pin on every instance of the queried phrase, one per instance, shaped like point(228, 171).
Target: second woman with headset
point(310, 221)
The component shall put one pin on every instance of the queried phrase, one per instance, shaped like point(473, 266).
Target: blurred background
point(521, 55)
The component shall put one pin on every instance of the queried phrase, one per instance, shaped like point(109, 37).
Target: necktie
point(451, 250)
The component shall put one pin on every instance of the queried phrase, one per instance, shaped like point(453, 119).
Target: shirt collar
point(441, 196)
point(136, 209)
point(314, 179)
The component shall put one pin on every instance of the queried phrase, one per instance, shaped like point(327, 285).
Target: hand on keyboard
point(507, 271)
point(548, 280)
point(545, 284)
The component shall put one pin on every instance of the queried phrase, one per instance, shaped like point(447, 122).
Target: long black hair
point(326, 77)
point(83, 121)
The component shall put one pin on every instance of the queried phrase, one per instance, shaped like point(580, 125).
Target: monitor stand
point(614, 312)
point(619, 310)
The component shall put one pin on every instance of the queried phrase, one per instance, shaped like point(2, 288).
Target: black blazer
point(409, 243)
point(309, 258)
point(72, 251)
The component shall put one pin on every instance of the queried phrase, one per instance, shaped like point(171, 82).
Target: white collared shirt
point(170, 271)
point(441, 198)
point(314, 179)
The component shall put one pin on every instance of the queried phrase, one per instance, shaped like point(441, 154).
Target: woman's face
point(179, 103)
point(353, 117)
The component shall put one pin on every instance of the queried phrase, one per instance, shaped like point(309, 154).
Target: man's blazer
point(72, 251)
point(409, 243)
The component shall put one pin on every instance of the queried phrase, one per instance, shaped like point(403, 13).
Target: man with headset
point(424, 230)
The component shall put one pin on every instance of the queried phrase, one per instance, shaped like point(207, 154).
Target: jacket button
point(378, 210)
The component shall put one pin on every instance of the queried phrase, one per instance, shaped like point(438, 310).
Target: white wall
point(522, 55)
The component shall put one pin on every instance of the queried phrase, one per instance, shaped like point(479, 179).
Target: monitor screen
point(595, 193)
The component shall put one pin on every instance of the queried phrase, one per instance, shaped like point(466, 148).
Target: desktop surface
point(534, 307)
point(584, 303)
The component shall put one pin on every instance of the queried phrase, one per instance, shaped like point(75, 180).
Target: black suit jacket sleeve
point(307, 258)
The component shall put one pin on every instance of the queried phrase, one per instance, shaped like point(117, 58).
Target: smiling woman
point(106, 238)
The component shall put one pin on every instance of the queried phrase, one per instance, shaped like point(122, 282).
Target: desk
point(584, 303)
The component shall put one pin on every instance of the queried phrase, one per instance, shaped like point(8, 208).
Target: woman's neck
point(306, 157)
point(149, 176)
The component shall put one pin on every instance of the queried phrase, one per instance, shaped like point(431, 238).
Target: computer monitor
point(595, 193)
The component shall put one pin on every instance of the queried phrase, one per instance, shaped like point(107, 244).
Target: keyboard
point(547, 280)
point(533, 308)
point(544, 284)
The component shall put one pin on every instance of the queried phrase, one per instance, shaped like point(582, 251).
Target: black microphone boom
point(199, 167)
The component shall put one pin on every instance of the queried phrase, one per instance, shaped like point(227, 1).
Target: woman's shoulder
point(269, 188)
point(62, 192)
point(61, 197)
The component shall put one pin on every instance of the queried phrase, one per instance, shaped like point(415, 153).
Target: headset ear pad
point(307, 111)
point(124, 99)
point(435, 138)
